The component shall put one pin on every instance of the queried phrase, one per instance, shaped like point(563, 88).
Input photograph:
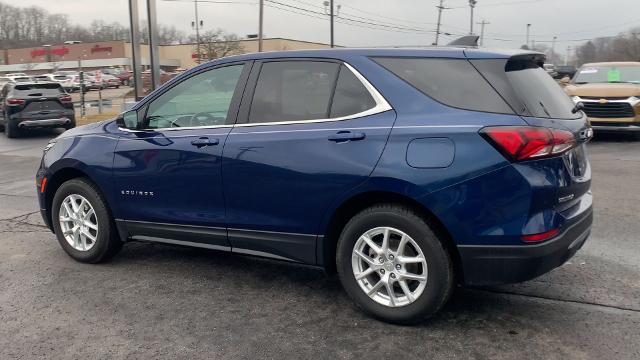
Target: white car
point(20, 78)
point(4, 80)
point(67, 81)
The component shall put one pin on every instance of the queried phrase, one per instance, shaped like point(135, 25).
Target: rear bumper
point(57, 122)
point(492, 265)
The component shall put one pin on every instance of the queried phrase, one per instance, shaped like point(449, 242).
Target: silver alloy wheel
point(389, 266)
point(78, 222)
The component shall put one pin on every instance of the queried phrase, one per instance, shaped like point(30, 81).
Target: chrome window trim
point(381, 106)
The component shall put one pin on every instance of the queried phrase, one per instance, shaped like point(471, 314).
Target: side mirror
point(128, 120)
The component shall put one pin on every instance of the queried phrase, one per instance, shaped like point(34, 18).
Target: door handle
point(204, 141)
point(344, 136)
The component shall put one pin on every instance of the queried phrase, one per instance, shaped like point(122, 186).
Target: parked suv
point(34, 105)
point(407, 171)
point(609, 93)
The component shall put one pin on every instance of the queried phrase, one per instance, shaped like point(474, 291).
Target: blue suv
point(406, 171)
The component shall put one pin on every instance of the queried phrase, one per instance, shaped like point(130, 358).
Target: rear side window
point(528, 88)
point(293, 90)
point(38, 89)
point(351, 97)
point(453, 82)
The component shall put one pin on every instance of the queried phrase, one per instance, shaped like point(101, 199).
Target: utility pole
point(472, 5)
point(553, 48)
point(332, 14)
point(197, 24)
point(566, 59)
point(135, 48)
point(154, 51)
point(528, 30)
point(260, 25)
point(440, 8)
point(482, 25)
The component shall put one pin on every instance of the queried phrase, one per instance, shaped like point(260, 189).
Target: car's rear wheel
point(393, 266)
point(71, 125)
point(82, 222)
point(11, 129)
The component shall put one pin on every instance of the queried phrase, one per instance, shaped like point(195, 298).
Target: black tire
point(11, 129)
point(440, 278)
point(107, 242)
point(70, 125)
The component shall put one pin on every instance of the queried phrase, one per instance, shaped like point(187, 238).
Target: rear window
point(38, 89)
point(527, 88)
point(453, 82)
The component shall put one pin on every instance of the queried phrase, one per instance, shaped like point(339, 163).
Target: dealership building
point(49, 58)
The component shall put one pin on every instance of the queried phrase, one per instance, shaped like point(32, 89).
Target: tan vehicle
point(609, 93)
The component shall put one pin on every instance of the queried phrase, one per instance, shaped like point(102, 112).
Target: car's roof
point(37, 83)
point(339, 53)
point(614, 63)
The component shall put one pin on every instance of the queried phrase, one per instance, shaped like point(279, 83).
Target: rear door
point(308, 131)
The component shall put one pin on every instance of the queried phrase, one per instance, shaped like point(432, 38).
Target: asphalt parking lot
point(157, 301)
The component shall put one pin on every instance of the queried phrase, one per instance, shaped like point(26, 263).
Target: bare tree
point(215, 44)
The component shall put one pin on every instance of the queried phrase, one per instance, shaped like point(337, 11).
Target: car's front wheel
point(393, 266)
point(82, 222)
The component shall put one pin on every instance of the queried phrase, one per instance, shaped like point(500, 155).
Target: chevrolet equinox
point(406, 171)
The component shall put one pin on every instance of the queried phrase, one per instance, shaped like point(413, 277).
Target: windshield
point(608, 74)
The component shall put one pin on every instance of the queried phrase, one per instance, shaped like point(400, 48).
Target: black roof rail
point(467, 41)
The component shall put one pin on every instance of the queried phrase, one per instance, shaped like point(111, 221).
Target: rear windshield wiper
point(544, 108)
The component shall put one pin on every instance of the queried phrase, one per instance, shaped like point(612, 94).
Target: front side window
point(201, 100)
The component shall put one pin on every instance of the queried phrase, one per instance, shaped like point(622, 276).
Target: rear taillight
point(65, 98)
point(521, 143)
point(14, 102)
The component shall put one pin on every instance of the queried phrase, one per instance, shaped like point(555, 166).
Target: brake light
point(14, 102)
point(521, 143)
point(540, 237)
point(65, 98)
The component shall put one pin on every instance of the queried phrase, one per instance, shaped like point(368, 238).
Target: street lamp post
point(528, 30)
point(472, 5)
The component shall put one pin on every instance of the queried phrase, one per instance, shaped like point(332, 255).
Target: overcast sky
point(406, 22)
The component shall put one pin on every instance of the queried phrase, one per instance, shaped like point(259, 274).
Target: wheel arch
point(56, 180)
point(353, 205)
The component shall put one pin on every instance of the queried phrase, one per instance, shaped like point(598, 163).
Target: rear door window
point(351, 97)
point(293, 91)
point(453, 82)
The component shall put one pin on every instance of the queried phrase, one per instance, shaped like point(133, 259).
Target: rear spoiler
point(466, 41)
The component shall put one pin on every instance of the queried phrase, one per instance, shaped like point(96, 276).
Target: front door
point(311, 131)
point(168, 176)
